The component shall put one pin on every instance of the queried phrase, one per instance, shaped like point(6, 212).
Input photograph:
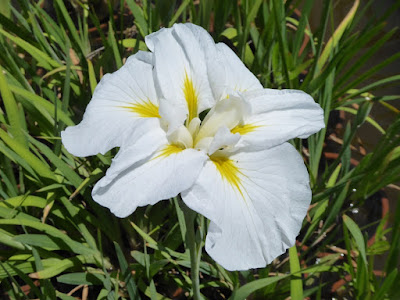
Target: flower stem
point(194, 248)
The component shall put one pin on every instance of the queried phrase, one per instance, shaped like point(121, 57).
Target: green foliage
point(53, 237)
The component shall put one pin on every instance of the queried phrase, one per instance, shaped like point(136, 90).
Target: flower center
point(215, 132)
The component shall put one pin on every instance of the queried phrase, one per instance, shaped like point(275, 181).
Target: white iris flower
point(233, 166)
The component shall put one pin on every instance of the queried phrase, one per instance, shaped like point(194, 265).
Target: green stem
point(194, 249)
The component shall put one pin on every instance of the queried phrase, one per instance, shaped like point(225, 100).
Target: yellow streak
point(244, 129)
point(191, 97)
point(229, 172)
point(168, 150)
point(145, 109)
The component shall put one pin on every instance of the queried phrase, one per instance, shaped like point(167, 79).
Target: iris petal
point(256, 202)
point(121, 102)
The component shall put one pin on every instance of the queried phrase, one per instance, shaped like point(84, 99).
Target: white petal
point(145, 56)
point(120, 101)
point(142, 145)
point(278, 116)
point(180, 68)
point(181, 137)
point(163, 175)
point(227, 112)
point(204, 39)
point(194, 126)
point(256, 210)
point(229, 73)
point(173, 115)
point(223, 139)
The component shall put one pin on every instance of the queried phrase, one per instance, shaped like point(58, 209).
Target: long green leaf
point(357, 235)
point(244, 291)
point(334, 40)
point(42, 58)
point(72, 245)
point(41, 168)
point(42, 103)
point(62, 166)
point(126, 273)
point(140, 19)
point(13, 114)
point(296, 283)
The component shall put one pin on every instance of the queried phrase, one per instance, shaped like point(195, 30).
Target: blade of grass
point(334, 40)
point(41, 169)
point(13, 115)
point(140, 20)
point(92, 76)
point(357, 235)
point(73, 32)
point(42, 58)
point(300, 32)
point(179, 12)
point(41, 103)
point(113, 42)
point(296, 283)
point(126, 274)
point(279, 19)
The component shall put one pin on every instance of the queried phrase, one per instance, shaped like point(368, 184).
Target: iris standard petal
point(228, 73)
point(278, 116)
point(120, 101)
point(180, 69)
point(163, 175)
point(256, 202)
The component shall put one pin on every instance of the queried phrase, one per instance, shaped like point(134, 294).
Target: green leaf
point(368, 119)
point(17, 159)
point(296, 283)
point(357, 235)
point(8, 240)
point(178, 12)
point(131, 43)
point(301, 28)
point(335, 206)
point(24, 267)
point(63, 296)
point(70, 24)
point(140, 19)
point(13, 114)
point(114, 45)
point(41, 103)
point(70, 244)
point(126, 273)
point(40, 240)
point(384, 289)
point(153, 291)
point(243, 292)
point(62, 265)
point(334, 40)
point(24, 201)
point(62, 166)
point(372, 86)
point(280, 22)
point(332, 180)
point(42, 58)
point(92, 76)
point(88, 278)
point(41, 168)
point(393, 255)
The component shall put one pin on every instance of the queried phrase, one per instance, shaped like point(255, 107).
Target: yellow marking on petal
point(168, 150)
point(191, 97)
point(145, 109)
point(244, 129)
point(229, 172)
